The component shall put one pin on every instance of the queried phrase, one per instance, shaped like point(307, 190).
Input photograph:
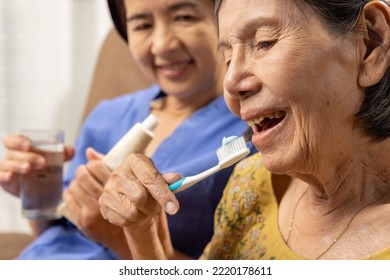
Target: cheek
point(232, 103)
point(139, 51)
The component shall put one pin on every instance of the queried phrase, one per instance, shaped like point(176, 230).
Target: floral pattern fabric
point(246, 219)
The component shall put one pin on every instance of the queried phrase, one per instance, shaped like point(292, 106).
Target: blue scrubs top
point(189, 150)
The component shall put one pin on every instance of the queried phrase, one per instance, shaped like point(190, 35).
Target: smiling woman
point(324, 65)
point(311, 79)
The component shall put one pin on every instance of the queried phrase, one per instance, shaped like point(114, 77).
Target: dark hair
point(339, 17)
point(118, 15)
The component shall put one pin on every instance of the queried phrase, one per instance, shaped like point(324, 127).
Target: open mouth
point(265, 122)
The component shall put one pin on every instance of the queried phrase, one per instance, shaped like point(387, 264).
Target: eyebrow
point(173, 8)
point(252, 24)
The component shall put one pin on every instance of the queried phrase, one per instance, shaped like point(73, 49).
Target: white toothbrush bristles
point(227, 150)
point(232, 150)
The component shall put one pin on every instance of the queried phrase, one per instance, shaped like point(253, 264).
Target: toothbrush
point(233, 149)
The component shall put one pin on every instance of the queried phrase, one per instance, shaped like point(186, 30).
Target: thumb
point(93, 154)
point(172, 177)
point(68, 153)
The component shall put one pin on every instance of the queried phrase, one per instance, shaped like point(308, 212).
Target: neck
point(352, 182)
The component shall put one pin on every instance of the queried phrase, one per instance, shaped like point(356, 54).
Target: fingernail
point(171, 208)
point(23, 167)
point(7, 176)
point(38, 163)
point(25, 145)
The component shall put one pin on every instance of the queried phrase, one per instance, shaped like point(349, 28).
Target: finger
point(149, 176)
point(14, 166)
point(79, 195)
point(113, 217)
point(93, 154)
point(87, 183)
point(68, 153)
point(17, 142)
point(99, 171)
point(103, 206)
point(129, 191)
point(171, 178)
point(35, 161)
point(71, 207)
point(119, 212)
point(5, 177)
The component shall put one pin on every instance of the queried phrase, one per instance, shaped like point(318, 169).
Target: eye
point(185, 18)
point(227, 54)
point(141, 27)
point(265, 45)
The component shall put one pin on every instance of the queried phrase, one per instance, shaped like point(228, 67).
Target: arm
point(157, 237)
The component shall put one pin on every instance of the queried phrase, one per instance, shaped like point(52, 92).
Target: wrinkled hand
point(19, 160)
point(136, 192)
point(82, 200)
point(133, 199)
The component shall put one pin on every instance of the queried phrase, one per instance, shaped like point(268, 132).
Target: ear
point(374, 20)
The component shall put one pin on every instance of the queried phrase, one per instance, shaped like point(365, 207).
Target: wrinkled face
point(174, 42)
point(293, 82)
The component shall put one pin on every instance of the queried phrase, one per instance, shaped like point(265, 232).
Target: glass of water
point(41, 190)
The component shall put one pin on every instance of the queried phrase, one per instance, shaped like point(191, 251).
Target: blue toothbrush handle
point(177, 184)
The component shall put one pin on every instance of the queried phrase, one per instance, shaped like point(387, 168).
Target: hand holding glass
point(41, 190)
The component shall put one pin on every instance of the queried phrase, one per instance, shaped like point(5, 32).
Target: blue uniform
point(189, 150)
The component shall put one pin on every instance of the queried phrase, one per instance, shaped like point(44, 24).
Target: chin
point(276, 164)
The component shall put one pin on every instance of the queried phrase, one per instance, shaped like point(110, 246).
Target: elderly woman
point(311, 77)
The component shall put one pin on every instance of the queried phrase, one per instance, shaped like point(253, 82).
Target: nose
point(240, 80)
point(164, 41)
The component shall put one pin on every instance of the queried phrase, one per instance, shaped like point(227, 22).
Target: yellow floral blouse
point(246, 219)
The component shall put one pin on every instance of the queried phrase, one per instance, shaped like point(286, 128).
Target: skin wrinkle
point(136, 194)
point(301, 73)
point(118, 181)
point(124, 213)
point(151, 179)
point(357, 30)
point(341, 191)
point(345, 98)
point(308, 144)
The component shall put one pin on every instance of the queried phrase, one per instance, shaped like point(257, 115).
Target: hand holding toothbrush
point(134, 198)
point(136, 193)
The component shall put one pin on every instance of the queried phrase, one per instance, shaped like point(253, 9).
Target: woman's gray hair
point(339, 17)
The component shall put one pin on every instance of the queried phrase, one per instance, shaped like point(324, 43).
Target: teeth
point(259, 120)
point(175, 66)
point(278, 114)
